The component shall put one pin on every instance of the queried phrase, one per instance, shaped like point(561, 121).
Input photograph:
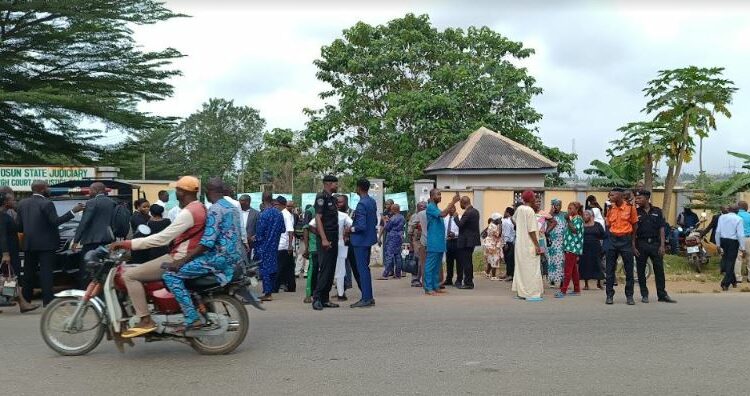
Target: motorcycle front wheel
point(239, 323)
point(71, 339)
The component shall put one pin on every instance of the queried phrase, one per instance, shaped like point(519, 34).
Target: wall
point(474, 181)
point(151, 188)
point(489, 200)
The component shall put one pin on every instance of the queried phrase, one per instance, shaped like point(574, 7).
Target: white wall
point(464, 181)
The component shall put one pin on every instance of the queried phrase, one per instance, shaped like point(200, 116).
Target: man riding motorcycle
point(219, 250)
point(184, 233)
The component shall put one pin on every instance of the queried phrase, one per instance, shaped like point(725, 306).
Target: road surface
point(476, 342)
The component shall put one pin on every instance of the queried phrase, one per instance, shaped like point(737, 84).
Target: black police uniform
point(648, 243)
point(325, 205)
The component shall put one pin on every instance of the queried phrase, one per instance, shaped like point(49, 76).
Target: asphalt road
point(467, 342)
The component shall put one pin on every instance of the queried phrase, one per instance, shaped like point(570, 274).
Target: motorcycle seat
point(202, 283)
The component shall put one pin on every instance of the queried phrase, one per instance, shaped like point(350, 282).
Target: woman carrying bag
point(10, 261)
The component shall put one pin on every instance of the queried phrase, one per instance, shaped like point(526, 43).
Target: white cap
point(496, 216)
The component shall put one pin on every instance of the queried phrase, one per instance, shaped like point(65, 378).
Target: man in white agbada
point(345, 223)
point(527, 282)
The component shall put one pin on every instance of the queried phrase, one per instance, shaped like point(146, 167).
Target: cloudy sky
point(592, 58)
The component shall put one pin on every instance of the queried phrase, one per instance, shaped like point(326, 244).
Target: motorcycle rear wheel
point(237, 314)
point(54, 316)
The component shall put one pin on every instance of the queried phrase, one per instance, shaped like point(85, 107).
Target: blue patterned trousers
point(175, 282)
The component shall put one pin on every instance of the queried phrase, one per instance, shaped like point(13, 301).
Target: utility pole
point(143, 166)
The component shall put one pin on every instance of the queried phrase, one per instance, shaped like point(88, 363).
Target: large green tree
point(70, 70)
point(404, 92)
point(216, 140)
point(688, 100)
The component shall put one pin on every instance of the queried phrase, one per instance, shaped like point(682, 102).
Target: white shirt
point(172, 215)
point(234, 202)
point(450, 225)
point(730, 226)
point(509, 230)
point(161, 203)
point(288, 227)
point(344, 222)
point(243, 219)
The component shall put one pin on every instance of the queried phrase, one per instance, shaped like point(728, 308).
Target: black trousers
point(286, 272)
point(84, 277)
point(351, 261)
point(327, 263)
point(451, 260)
point(313, 271)
point(622, 247)
point(466, 263)
point(509, 252)
point(44, 262)
point(650, 250)
point(731, 248)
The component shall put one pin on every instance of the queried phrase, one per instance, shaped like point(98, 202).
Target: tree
point(740, 182)
point(618, 172)
point(642, 143)
point(162, 161)
point(70, 69)
point(405, 92)
point(687, 100)
point(215, 140)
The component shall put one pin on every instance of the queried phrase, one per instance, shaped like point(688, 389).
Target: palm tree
point(687, 100)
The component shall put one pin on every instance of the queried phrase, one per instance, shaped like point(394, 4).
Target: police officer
point(650, 245)
point(327, 223)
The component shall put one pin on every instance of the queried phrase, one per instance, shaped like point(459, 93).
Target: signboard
point(19, 178)
point(402, 199)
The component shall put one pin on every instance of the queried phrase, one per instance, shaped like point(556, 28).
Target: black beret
point(281, 200)
point(330, 179)
point(618, 189)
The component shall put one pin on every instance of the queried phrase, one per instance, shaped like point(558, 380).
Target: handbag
point(9, 284)
point(410, 264)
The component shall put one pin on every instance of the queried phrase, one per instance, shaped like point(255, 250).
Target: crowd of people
point(330, 244)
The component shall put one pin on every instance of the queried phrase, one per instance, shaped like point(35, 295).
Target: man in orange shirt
point(622, 224)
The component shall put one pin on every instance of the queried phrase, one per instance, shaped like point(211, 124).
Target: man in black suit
point(38, 221)
point(95, 228)
point(249, 218)
point(468, 239)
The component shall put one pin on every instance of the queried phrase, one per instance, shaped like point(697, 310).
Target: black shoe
point(466, 287)
point(363, 304)
point(609, 301)
point(725, 288)
point(734, 285)
point(317, 305)
point(342, 298)
point(631, 301)
point(458, 285)
point(509, 279)
point(667, 299)
point(448, 283)
point(330, 305)
point(644, 300)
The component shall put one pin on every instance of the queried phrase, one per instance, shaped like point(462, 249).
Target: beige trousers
point(134, 277)
point(742, 261)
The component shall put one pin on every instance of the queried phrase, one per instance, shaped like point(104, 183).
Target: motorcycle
point(697, 256)
point(76, 321)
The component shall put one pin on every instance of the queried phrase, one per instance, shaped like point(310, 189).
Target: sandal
point(137, 331)
point(494, 278)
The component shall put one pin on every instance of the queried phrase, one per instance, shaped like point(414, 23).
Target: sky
point(592, 58)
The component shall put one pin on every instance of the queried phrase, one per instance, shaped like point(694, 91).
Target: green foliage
point(162, 161)
point(643, 143)
point(214, 140)
point(618, 172)
point(712, 194)
point(405, 92)
point(740, 182)
point(687, 101)
point(71, 69)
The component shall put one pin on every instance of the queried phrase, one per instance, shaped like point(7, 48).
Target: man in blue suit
point(363, 236)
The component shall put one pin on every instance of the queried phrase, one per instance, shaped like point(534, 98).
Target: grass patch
point(676, 268)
